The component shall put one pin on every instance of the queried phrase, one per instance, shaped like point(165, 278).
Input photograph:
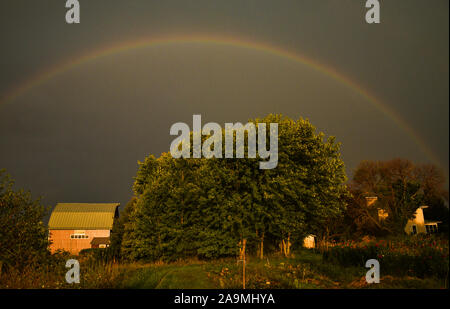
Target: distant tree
point(438, 211)
point(432, 180)
point(400, 186)
point(118, 229)
point(23, 236)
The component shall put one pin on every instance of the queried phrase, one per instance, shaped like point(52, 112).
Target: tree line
point(212, 208)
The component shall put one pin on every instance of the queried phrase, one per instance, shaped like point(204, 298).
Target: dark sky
point(78, 136)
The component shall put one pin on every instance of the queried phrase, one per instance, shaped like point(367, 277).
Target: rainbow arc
point(121, 47)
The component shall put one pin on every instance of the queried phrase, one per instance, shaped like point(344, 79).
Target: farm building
point(415, 225)
point(418, 224)
point(77, 226)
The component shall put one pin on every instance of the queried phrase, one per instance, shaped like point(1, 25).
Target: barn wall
point(61, 239)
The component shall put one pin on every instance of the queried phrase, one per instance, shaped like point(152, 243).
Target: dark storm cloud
point(78, 137)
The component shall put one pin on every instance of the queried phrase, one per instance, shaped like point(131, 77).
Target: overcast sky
point(77, 137)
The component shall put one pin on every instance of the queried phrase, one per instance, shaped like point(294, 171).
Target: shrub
point(421, 256)
point(98, 255)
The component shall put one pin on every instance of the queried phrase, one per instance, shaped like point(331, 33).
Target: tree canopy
point(209, 207)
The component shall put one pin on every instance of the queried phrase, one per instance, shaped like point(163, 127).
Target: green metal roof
point(83, 216)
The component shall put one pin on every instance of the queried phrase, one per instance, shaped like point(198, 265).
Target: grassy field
point(305, 270)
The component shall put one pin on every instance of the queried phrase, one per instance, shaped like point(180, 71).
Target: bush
point(23, 236)
point(37, 274)
point(98, 255)
point(420, 256)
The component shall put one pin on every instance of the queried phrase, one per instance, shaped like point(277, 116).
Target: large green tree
point(211, 207)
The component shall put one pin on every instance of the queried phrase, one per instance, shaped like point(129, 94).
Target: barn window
point(79, 236)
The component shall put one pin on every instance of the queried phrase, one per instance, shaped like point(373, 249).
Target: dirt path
point(163, 277)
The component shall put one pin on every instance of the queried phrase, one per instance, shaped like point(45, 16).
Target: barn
point(76, 226)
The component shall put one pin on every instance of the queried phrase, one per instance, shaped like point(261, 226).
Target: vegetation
point(419, 256)
point(304, 269)
point(213, 208)
point(400, 187)
point(23, 236)
point(192, 223)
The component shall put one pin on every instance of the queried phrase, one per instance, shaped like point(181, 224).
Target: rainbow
point(64, 66)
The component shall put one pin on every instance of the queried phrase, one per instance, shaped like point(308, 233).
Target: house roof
point(83, 216)
point(432, 222)
point(100, 241)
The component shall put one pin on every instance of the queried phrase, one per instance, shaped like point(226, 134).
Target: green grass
point(189, 276)
point(304, 270)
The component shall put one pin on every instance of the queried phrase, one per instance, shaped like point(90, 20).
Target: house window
point(79, 236)
point(414, 229)
point(431, 228)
